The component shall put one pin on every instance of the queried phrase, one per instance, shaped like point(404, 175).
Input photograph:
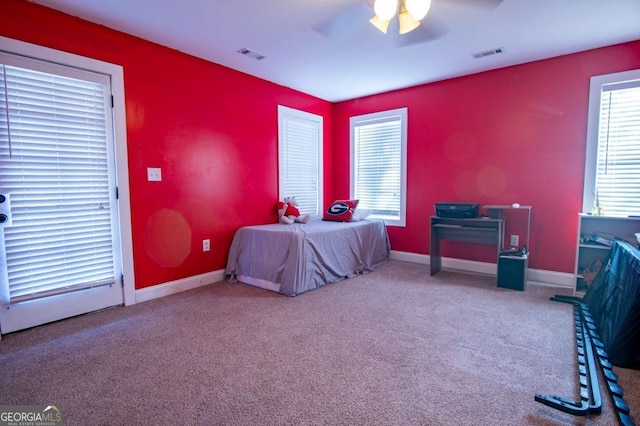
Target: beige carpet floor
point(392, 347)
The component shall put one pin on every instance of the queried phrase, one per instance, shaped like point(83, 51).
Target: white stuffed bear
point(288, 212)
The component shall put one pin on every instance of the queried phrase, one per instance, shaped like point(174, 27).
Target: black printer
point(457, 210)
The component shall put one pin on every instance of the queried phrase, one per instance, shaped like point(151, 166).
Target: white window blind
point(379, 163)
point(618, 162)
point(300, 159)
point(54, 163)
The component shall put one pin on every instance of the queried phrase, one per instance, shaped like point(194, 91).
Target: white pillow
point(359, 214)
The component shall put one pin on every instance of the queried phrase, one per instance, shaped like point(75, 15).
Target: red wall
point(212, 130)
point(512, 135)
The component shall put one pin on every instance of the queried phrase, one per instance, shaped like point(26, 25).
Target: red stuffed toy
point(288, 212)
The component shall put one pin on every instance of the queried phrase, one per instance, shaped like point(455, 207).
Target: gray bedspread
point(292, 259)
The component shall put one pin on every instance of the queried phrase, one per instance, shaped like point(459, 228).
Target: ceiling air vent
point(251, 54)
point(487, 53)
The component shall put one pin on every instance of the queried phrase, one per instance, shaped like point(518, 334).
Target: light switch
point(154, 174)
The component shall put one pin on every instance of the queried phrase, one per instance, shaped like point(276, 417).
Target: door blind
point(54, 165)
point(618, 164)
point(377, 167)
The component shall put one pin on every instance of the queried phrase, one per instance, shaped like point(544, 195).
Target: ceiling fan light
point(407, 23)
point(385, 9)
point(418, 8)
point(380, 24)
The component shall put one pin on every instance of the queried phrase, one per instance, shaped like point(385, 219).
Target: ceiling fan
point(410, 13)
point(404, 22)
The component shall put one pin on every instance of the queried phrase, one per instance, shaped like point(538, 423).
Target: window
point(379, 164)
point(612, 169)
point(300, 158)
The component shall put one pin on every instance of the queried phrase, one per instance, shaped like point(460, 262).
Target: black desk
point(476, 230)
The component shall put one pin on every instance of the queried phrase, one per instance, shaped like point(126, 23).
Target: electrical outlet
point(515, 240)
point(154, 174)
point(206, 245)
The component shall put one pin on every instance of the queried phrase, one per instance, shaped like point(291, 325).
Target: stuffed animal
point(288, 212)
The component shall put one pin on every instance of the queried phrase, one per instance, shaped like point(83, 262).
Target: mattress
point(292, 259)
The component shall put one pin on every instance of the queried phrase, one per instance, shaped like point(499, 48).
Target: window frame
point(381, 117)
point(285, 113)
point(593, 130)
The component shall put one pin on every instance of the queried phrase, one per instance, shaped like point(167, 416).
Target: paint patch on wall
point(492, 181)
point(167, 238)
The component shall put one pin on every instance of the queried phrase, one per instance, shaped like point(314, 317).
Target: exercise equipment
point(590, 350)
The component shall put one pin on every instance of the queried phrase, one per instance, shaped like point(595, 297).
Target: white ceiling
point(363, 61)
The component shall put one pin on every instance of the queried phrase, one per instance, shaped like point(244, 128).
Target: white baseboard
point(539, 276)
point(189, 283)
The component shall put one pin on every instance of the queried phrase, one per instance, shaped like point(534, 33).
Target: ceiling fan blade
point(351, 20)
point(346, 22)
point(472, 4)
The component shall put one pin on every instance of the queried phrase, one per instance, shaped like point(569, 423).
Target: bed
point(292, 259)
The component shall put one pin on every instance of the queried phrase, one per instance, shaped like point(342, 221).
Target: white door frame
point(116, 73)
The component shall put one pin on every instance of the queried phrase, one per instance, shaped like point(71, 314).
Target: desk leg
point(435, 260)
